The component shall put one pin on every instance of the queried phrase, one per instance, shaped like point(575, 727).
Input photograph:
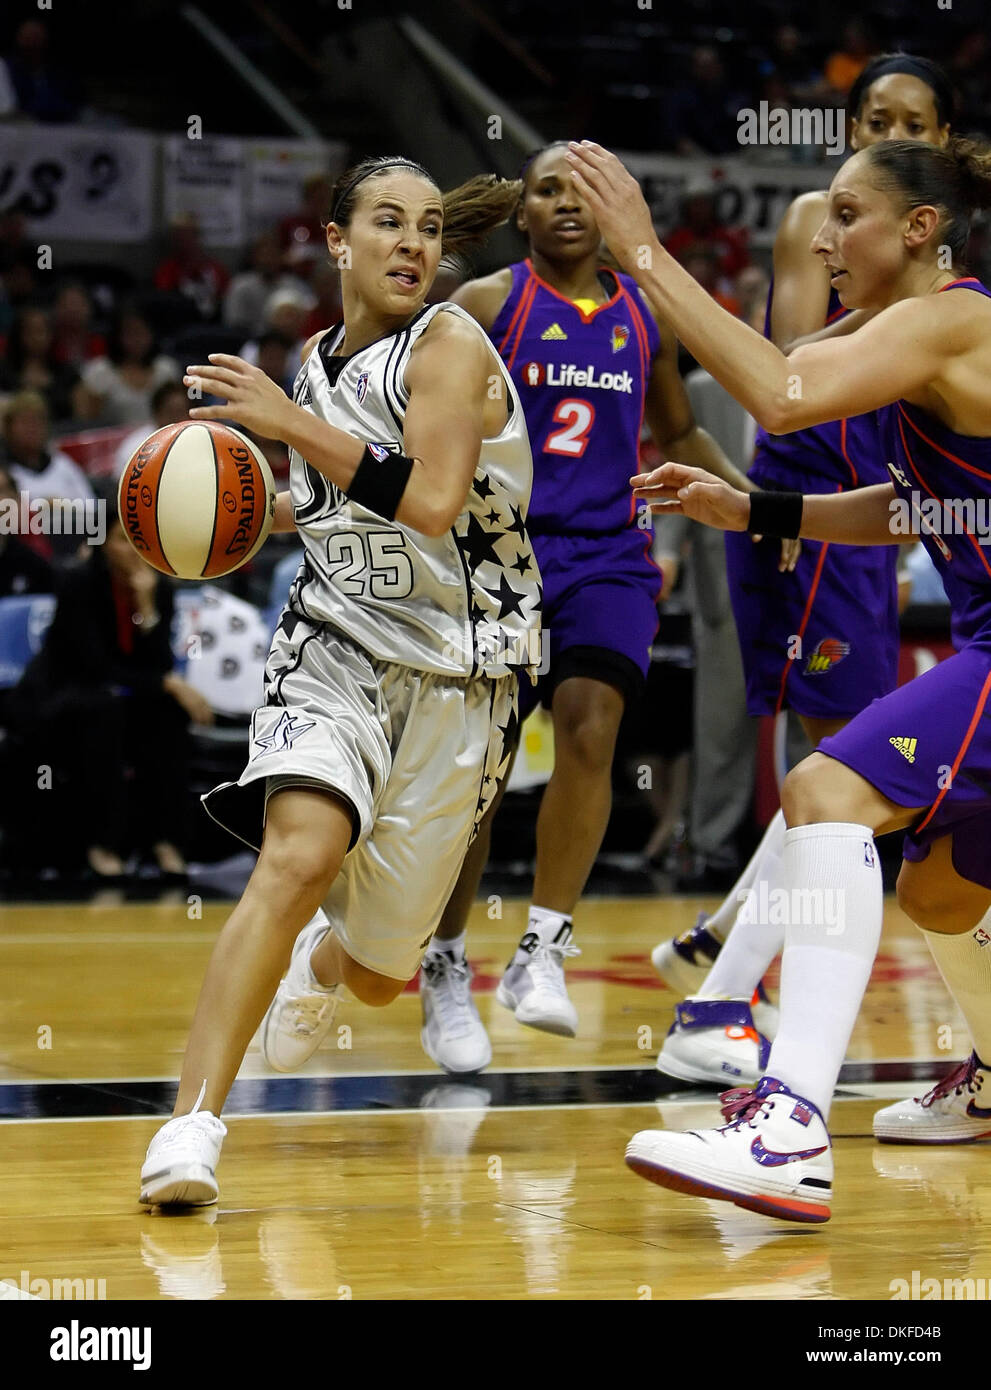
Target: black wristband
point(777, 514)
point(380, 481)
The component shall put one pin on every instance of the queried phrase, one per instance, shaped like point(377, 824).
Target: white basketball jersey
point(460, 604)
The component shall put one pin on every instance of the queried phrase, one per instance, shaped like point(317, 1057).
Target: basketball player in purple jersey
point(821, 640)
point(919, 758)
point(589, 362)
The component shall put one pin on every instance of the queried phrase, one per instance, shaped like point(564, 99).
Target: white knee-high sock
point(833, 878)
point(757, 936)
point(964, 962)
point(721, 921)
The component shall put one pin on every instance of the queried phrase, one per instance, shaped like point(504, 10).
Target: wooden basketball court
point(372, 1175)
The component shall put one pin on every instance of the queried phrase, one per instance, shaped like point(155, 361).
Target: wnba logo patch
point(827, 653)
point(361, 387)
point(620, 336)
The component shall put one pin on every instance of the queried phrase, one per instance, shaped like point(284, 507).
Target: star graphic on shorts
point(509, 600)
point(521, 563)
point(282, 736)
point(519, 525)
point(478, 543)
point(509, 731)
point(493, 517)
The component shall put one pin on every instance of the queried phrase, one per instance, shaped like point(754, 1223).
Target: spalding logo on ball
point(197, 499)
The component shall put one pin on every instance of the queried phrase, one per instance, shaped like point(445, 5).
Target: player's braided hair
point(955, 180)
point(471, 210)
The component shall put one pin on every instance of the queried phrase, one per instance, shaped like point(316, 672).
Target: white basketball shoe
point(300, 1015)
point(773, 1156)
point(180, 1167)
point(948, 1114)
point(713, 1042)
point(452, 1035)
point(535, 990)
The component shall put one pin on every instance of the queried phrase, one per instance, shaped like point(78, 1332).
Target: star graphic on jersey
point(509, 600)
point(483, 487)
point(478, 543)
point(284, 734)
point(493, 517)
point(519, 525)
point(477, 612)
point(521, 563)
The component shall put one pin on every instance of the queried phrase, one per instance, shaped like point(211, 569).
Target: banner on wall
point(74, 183)
point(206, 178)
point(277, 170)
point(747, 194)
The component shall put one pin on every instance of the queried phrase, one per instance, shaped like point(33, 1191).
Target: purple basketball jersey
point(928, 744)
point(582, 379)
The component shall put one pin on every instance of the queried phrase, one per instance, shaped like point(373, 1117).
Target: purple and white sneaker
point(714, 1041)
point(951, 1113)
point(773, 1156)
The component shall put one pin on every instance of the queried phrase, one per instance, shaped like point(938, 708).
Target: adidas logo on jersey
point(554, 334)
point(905, 746)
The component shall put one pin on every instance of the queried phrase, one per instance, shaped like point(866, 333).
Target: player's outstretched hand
point(699, 495)
point(615, 198)
point(253, 399)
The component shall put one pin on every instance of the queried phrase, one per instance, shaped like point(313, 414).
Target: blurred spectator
point(169, 405)
point(285, 316)
point(22, 570)
point(74, 340)
point(249, 292)
point(788, 59)
point(751, 289)
point(845, 65)
point(189, 271)
point(18, 266)
point(702, 264)
point(42, 472)
point(302, 233)
point(106, 668)
point(701, 230)
point(702, 112)
point(43, 91)
point(8, 96)
point(30, 364)
point(273, 356)
point(122, 384)
point(969, 70)
point(326, 285)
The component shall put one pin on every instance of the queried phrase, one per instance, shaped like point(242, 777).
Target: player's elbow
point(780, 413)
point(432, 517)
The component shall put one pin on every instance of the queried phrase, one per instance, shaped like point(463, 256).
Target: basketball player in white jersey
point(390, 692)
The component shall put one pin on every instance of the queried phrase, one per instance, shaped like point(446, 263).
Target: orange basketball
point(197, 499)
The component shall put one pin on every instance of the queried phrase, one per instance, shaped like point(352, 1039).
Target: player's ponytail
point(476, 208)
point(955, 180)
point(471, 210)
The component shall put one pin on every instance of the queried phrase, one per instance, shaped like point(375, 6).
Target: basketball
point(197, 499)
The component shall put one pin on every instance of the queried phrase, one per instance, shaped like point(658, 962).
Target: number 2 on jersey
point(577, 418)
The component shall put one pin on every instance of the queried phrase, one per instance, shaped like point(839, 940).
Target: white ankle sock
point(721, 921)
point(964, 962)
point(454, 946)
point(545, 924)
point(756, 938)
point(834, 879)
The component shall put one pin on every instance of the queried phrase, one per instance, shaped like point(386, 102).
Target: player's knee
point(587, 739)
point(368, 987)
point(919, 899)
point(807, 797)
point(301, 871)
